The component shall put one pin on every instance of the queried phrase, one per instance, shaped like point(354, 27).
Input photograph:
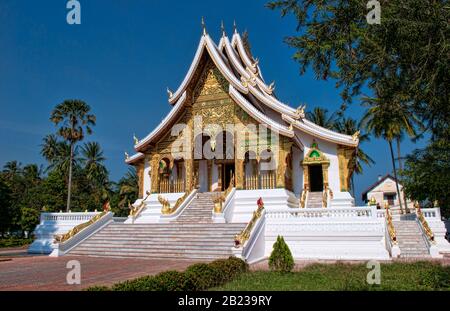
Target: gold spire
point(222, 27)
point(203, 26)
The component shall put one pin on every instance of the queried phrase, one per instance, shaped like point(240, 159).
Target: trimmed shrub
point(281, 259)
point(196, 277)
point(204, 276)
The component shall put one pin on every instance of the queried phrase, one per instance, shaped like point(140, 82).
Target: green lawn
point(394, 276)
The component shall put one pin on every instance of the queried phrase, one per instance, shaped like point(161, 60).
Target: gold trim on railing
point(324, 197)
point(166, 209)
point(220, 198)
point(136, 210)
point(242, 237)
point(60, 238)
point(390, 225)
point(303, 198)
point(424, 223)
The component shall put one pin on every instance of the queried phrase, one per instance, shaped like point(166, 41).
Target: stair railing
point(167, 210)
point(220, 198)
point(424, 224)
point(303, 198)
point(66, 242)
point(324, 197)
point(390, 225)
point(241, 238)
point(136, 210)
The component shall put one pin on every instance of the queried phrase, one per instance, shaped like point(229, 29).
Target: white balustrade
point(321, 213)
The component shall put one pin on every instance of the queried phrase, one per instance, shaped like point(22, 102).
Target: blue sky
point(120, 61)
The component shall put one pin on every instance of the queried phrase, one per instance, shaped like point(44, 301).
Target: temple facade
point(227, 126)
point(230, 169)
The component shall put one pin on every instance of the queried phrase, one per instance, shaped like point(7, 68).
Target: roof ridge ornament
point(169, 92)
point(300, 112)
point(222, 28)
point(135, 139)
point(127, 156)
point(203, 26)
point(234, 27)
point(272, 86)
point(355, 136)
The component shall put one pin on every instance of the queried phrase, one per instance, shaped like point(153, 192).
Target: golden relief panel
point(211, 82)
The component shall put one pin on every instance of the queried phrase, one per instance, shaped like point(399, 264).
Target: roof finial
point(203, 26)
point(135, 139)
point(234, 26)
point(169, 92)
point(222, 27)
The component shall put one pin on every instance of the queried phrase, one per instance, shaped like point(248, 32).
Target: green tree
point(5, 207)
point(74, 119)
point(408, 52)
point(93, 161)
point(349, 126)
point(128, 189)
point(321, 117)
point(281, 259)
point(426, 176)
point(388, 120)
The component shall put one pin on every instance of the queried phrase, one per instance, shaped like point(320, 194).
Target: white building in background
point(385, 191)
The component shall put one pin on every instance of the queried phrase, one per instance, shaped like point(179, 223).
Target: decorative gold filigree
point(303, 198)
point(390, 225)
point(60, 238)
point(424, 223)
point(241, 238)
point(166, 209)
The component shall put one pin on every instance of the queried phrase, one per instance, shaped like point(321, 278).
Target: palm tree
point(57, 153)
point(128, 186)
point(349, 126)
point(389, 120)
point(75, 120)
point(12, 168)
point(92, 158)
point(320, 117)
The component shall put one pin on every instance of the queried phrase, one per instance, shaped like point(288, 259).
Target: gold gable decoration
point(211, 82)
point(315, 156)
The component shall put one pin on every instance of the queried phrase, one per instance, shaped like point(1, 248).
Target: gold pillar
point(210, 162)
point(239, 168)
point(140, 175)
point(189, 174)
point(219, 182)
point(306, 177)
point(345, 155)
point(154, 173)
point(325, 174)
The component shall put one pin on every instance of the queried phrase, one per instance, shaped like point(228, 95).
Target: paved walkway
point(47, 273)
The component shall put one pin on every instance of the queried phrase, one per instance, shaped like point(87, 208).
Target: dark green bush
point(196, 277)
point(204, 276)
point(281, 259)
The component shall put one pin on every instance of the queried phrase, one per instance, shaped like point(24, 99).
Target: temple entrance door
point(316, 178)
point(227, 173)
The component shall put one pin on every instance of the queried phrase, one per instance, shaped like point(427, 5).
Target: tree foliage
point(281, 259)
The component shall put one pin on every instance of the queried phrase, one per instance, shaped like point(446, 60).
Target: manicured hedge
point(14, 242)
point(196, 277)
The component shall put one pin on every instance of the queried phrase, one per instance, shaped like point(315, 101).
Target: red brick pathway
point(47, 273)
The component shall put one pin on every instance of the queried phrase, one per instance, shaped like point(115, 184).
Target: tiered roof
point(248, 89)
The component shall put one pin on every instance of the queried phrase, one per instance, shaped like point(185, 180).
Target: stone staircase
point(192, 236)
point(410, 239)
point(314, 199)
point(199, 210)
